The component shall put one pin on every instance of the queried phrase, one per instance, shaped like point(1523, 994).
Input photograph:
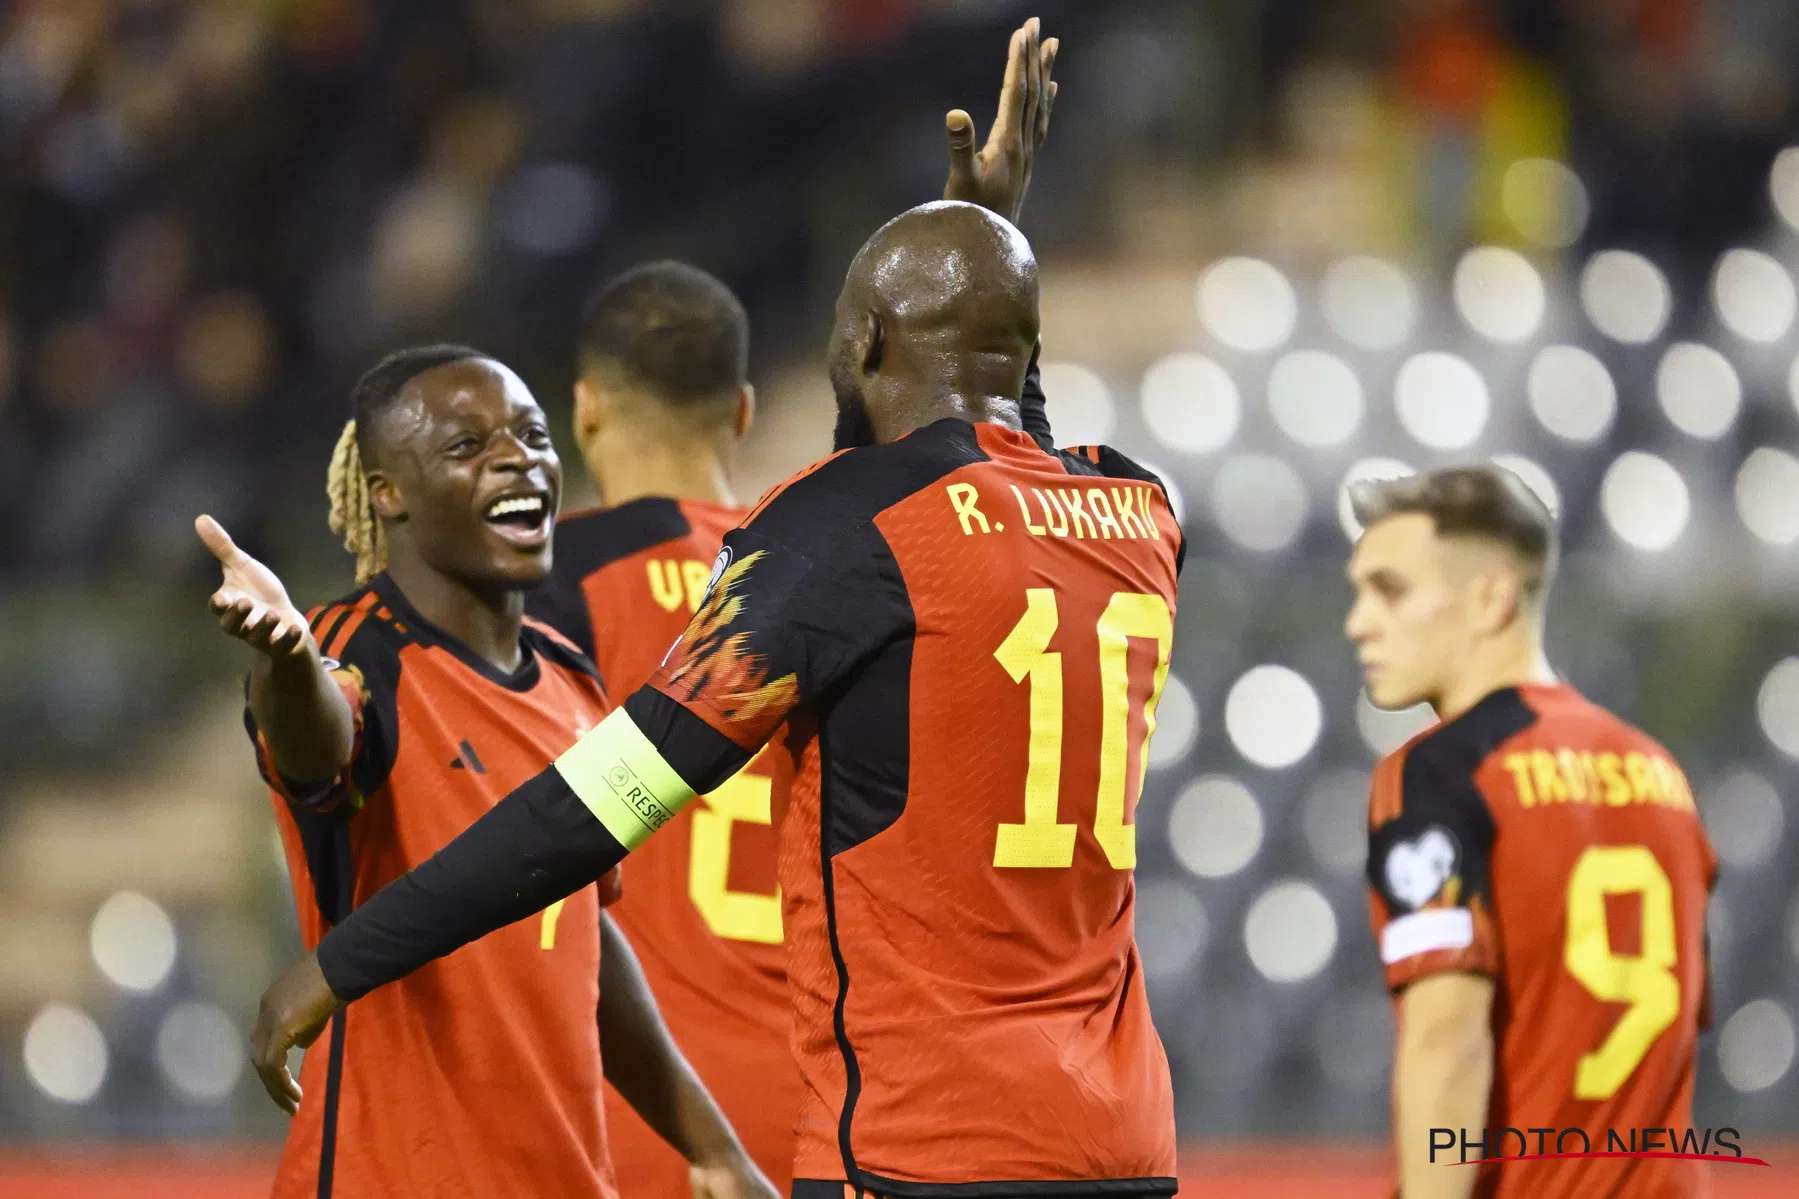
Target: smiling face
point(464, 471)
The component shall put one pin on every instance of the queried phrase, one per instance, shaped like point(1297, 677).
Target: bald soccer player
point(966, 635)
point(1539, 874)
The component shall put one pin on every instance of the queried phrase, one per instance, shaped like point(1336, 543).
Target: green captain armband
point(623, 780)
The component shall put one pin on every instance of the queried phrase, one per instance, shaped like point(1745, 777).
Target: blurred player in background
point(1539, 871)
point(662, 400)
point(964, 635)
point(387, 722)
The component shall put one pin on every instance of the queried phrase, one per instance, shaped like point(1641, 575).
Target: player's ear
point(745, 414)
point(385, 497)
point(591, 410)
point(871, 344)
point(1500, 598)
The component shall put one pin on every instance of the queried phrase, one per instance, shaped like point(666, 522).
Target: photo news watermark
point(1494, 1146)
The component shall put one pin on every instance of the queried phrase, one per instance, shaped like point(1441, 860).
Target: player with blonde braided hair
point(387, 722)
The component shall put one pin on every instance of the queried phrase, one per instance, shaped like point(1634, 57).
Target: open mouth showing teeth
point(521, 511)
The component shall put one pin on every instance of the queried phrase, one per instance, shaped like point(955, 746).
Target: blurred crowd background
point(1283, 243)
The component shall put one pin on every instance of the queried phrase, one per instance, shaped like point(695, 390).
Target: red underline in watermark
point(1550, 1157)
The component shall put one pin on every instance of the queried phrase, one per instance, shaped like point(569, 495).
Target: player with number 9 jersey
point(702, 910)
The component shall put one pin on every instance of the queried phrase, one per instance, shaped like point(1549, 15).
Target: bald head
point(938, 311)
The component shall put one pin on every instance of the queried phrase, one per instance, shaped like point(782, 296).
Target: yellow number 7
point(1645, 981)
point(1041, 840)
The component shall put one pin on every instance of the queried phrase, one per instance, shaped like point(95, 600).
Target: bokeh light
point(1644, 500)
point(133, 941)
point(1753, 295)
point(1272, 716)
point(1290, 931)
point(1767, 494)
point(1743, 814)
point(1755, 1048)
point(1247, 304)
point(1499, 293)
point(1177, 724)
point(1079, 404)
point(1625, 296)
point(1172, 929)
point(1365, 469)
point(1571, 393)
point(1777, 706)
point(1698, 390)
point(1369, 302)
point(1534, 476)
point(1215, 826)
point(1334, 821)
point(1384, 731)
point(1545, 201)
point(1783, 185)
point(1190, 403)
point(1315, 398)
point(1441, 400)
point(200, 1051)
point(65, 1053)
point(1259, 501)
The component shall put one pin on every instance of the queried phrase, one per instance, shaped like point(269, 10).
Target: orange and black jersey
point(479, 1075)
point(1541, 841)
point(953, 645)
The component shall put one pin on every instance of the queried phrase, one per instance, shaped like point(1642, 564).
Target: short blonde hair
point(1485, 502)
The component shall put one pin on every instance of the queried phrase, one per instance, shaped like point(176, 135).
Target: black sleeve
point(536, 846)
point(1033, 405)
point(699, 753)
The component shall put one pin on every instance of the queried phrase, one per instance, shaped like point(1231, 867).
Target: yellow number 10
point(1645, 981)
point(1042, 840)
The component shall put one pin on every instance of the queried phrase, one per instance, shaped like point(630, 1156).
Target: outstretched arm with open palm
point(299, 708)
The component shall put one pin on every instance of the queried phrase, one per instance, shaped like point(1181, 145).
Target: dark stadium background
point(1280, 239)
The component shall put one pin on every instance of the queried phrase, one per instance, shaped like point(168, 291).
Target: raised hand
point(251, 603)
point(996, 176)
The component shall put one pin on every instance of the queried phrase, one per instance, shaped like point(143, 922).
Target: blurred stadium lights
point(1189, 403)
point(1272, 716)
point(1384, 731)
point(1753, 295)
point(1698, 390)
point(1755, 1049)
point(1783, 185)
point(1499, 294)
point(1793, 383)
point(1571, 393)
point(1366, 468)
point(133, 941)
point(1171, 927)
point(1334, 821)
point(1215, 826)
point(1177, 724)
point(1315, 398)
point(1743, 815)
point(1777, 706)
point(1625, 296)
point(65, 1053)
point(1535, 477)
point(1290, 931)
point(1079, 403)
point(1247, 304)
point(1767, 495)
point(200, 1051)
point(1368, 302)
point(1545, 201)
point(1644, 500)
point(1259, 501)
point(1441, 400)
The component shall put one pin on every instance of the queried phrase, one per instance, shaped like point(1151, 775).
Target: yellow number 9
point(1645, 981)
